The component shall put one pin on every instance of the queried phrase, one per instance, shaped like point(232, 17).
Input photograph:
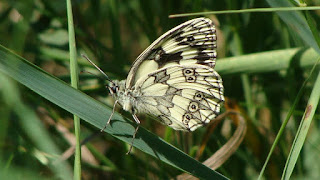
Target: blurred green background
point(113, 33)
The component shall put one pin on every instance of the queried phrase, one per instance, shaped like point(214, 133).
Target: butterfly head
point(118, 91)
point(116, 88)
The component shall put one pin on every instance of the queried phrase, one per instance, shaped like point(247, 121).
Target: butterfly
point(174, 78)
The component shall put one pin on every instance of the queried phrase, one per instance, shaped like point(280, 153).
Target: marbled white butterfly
point(174, 79)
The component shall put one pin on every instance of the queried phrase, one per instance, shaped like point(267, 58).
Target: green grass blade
point(253, 10)
point(265, 61)
point(97, 113)
point(303, 130)
point(74, 83)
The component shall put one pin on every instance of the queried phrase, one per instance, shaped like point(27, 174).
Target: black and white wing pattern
point(192, 42)
point(183, 97)
point(174, 79)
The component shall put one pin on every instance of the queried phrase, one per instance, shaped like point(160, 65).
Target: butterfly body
point(174, 79)
point(124, 96)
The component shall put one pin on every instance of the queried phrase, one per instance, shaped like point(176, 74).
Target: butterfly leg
point(108, 122)
point(135, 132)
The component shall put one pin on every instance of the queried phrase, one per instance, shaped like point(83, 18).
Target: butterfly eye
point(113, 89)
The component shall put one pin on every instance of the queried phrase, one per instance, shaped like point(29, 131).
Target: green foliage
point(263, 58)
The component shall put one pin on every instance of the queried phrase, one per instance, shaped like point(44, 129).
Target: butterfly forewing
point(193, 42)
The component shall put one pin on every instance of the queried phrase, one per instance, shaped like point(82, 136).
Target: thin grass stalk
point(253, 10)
point(74, 83)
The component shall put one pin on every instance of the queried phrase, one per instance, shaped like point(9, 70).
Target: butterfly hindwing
point(193, 42)
point(183, 97)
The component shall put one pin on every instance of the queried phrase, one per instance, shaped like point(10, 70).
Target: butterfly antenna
point(107, 77)
point(84, 71)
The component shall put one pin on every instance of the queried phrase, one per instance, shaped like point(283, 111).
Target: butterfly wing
point(183, 97)
point(193, 42)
